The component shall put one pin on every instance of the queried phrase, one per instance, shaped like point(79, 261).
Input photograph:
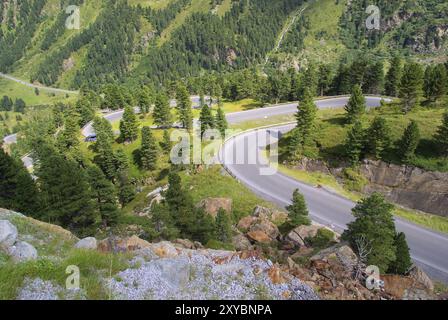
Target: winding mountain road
point(31, 85)
point(429, 248)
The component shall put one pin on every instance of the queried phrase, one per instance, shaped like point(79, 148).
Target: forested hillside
point(156, 42)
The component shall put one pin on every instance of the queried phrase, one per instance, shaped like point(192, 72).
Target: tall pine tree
point(148, 150)
point(305, 116)
point(409, 142)
point(18, 191)
point(374, 229)
point(184, 109)
point(128, 125)
point(355, 143)
point(411, 86)
point(393, 76)
point(356, 106)
point(162, 112)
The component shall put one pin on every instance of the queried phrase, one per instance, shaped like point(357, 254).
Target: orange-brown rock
point(259, 236)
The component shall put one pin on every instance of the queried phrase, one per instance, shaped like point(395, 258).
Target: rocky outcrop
point(259, 228)
point(299, 235)
point(19, 251)
point(8, 234)
point(331, 272)
point(408, 186)
point(206, 274)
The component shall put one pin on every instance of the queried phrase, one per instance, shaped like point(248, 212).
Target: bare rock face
point(408, 186)
point(8, 234)
point(312, 165)
point(212, 205)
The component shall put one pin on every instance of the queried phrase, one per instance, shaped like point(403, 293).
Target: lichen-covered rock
point(89, 243)
point(8, 235)
point(22, 252)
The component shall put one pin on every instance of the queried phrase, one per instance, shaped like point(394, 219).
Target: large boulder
point(22, 252)
point(422, 278)
point(241, 243)
point(301, 233)
point(340, 253)
point(8, 235)
point(262, 212)
point(267, 227)
point(245, 223)
point(259, 236)
point(87, 243)
point(212, 205)
point(164, 249)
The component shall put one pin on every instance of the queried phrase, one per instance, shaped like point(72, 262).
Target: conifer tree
point(411, 86)
point(355, 143)
point(306, 116)
point(162, 112)
point(403, 262)
point(206, 119)
point(148, 150)
point(223, 226)
point(166, 142)
point(393, 76)
point(374, 227)
point(103, 192)
point(435, 84)
point(144, 100)
point(68, 138)
point(185, 112)
point(378, 137)
point(356, 106)
point(298, 211)
point(18, 191)
point(441, 136)
point(65, 192)
point(221, 122)
point(409, 142)
point(128, 125)
point(127, 191)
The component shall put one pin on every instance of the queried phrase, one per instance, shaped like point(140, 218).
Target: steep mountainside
point(159, 41)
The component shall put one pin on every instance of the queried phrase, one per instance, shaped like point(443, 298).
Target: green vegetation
point(374, 237)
